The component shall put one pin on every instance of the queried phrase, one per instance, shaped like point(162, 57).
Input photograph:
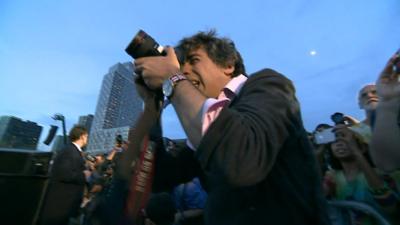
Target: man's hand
point(154, 70)
point(87, 174)
point(388, 85)
point(151, 100)
point(112, 154)
point(144, 92)
point(350, 120)
point(96, 188)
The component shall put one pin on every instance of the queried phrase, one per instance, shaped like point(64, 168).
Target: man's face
point(84, 140)
point(204, 74)
point(368, 99)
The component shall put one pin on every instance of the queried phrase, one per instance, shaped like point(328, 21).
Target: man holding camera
point(250, 149)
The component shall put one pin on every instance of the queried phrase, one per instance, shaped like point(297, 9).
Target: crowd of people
point(350, 172)
point(247, 158)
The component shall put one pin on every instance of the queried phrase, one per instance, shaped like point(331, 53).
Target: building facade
point(86, 121)
point(18, 134)
point(117, 109)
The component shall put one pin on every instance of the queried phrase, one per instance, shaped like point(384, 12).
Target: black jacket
point(255, 160)
point(66, 187)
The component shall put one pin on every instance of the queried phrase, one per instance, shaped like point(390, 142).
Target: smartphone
point(325, 136)
point(338, 118)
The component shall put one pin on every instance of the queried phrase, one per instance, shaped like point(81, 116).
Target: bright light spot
point(313, 52)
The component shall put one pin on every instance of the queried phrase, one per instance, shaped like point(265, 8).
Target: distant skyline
point(54, 54)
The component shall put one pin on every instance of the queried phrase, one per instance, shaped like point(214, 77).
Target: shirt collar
point(232, 88)
point(79, 148)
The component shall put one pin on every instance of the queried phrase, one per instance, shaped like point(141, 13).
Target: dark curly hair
point(222, 51)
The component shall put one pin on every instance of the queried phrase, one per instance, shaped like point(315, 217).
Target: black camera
point(119, 140)
point(338, 118)
point(90, 158)
point(143, 45)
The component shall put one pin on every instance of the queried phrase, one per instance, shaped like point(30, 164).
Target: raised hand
point(154, 70)
point(388, 83)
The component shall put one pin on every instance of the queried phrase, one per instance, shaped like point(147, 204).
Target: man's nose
point(371, 94)
point(185, 68)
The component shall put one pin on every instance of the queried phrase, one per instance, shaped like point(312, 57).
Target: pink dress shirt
point(212, 107)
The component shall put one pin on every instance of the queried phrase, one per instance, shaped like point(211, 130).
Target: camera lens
point(143, 45)
point(338, 118)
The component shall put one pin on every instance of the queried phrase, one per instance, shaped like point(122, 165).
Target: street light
point(59, 116)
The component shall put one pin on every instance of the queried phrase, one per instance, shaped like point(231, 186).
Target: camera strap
point(143, 139)
point(141, 183)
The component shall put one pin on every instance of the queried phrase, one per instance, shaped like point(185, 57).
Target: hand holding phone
point(388, 83)
point(324, 137)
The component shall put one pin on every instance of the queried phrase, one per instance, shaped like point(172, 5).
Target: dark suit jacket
point(66, 187)
point(255, 160)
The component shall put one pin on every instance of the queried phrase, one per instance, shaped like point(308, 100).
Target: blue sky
point(53, 54)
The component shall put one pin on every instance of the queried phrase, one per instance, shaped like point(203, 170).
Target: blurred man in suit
point(67, 181)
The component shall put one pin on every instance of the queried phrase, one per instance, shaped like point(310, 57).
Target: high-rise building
point(117, 109)
point(86, 121)
point(15, 133)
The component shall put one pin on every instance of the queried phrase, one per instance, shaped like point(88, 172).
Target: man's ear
point(228, 71)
